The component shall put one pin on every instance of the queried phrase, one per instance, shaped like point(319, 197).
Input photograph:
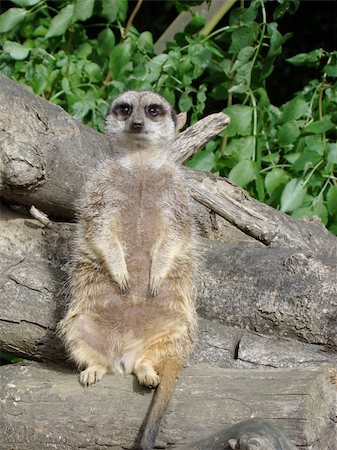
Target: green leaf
point(292, 195)
point(199, 55)
point(320, 210)
point(145, 42)
point(320, 126)
point(331, 198)
point(332, 152)
point(120, 57)
point(243, 172)
point(83, 9)
point(110, 9)
point(60, 23)
point(244, 55)
point(314, 143)
point(276, 40)
point(105, 42)
point(241, 120)
point(84, 50)
point(333, 228)
point(240, 148)
point(275, 179)
point(25, 3)
point(80, 109)
point(114, 10)
point(39, 79)
point(185, 102)
point(94, 72)
point(242, 78)
point(286, 6)
point(307, 159)
point(65, 85)
point(10, 18)
point(294, 109)
point(307, 59)
point(196, 24)
point(288, 133)
point(243, 36)
point(330, 70)
point(203, 160)
point(15, 50)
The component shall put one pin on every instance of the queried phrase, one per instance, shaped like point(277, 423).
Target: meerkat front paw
point(92, 374)
point(122, 279)
point(155, 283)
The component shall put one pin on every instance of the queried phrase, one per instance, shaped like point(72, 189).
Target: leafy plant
point(81, 54)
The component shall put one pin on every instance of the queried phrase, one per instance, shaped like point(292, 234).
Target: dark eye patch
point(123, 109)
point(154, 110)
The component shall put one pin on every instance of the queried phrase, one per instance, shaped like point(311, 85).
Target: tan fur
point(131, 306)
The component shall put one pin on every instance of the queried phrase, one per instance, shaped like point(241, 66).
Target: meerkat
point(131, 288)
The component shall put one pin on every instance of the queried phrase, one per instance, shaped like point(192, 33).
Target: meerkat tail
point(169, 370)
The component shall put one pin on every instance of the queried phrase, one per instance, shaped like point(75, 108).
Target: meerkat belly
point(143, 226)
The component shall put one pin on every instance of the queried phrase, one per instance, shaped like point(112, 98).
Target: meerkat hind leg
point(90, 350)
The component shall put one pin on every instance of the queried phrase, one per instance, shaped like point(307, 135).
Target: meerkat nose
point(137, 124)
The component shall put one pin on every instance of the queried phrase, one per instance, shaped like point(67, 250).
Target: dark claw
point(125, 289)
point(153, 292)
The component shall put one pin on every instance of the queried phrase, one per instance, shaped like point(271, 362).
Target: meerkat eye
point(154, 110)
point(124, 109)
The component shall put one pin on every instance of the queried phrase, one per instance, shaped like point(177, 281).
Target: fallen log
point(293, 295)
point(46, 407)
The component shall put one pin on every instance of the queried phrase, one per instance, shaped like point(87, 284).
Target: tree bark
point(45, 407)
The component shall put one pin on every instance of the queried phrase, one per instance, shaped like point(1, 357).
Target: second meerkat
point(132, 287)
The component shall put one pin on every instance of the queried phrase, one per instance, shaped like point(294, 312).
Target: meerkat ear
point(181, 120)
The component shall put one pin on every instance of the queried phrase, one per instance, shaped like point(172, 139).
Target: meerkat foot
point(147, 376)
point(92, 374)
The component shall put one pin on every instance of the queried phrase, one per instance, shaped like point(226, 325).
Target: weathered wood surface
point(260, 221)
point(292, 295)
point(47, 408)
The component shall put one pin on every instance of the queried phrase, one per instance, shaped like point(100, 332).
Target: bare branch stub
point(194, 138)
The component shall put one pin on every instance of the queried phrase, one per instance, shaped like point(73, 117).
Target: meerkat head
point(141, 118)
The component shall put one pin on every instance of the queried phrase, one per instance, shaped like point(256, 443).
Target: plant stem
point(131, 18)
point(306, 181)
point(323, 188)
point(253, 100)
point(229, 102)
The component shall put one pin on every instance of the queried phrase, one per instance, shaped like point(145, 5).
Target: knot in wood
point(22, 166)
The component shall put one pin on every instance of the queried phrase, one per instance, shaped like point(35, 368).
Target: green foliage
point(80, 55)
point(10, 359)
